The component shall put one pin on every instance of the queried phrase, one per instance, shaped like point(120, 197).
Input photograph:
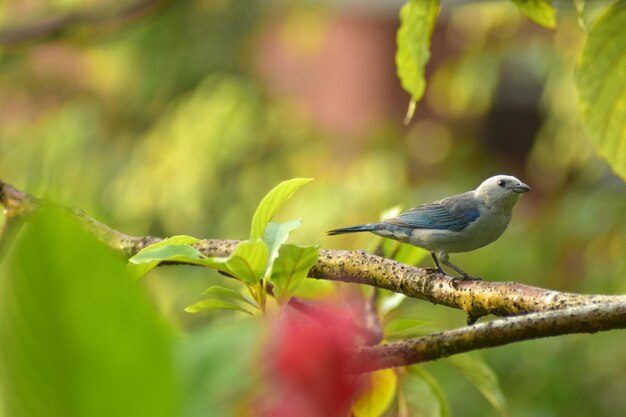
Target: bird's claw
point(463, 278)
point(435, 270)
point(468, 278)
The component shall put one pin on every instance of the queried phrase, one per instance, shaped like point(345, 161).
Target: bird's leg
point(464, 275)
point(439, 268)
point(446, 262)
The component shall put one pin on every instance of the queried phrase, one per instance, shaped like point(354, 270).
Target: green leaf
point(228, 292)
point(417, 21)
point(77, 337)
point(174, 249)
point(291, 268)
point(390, 303)
point(480, 374)
point(178, 253)
point(174, 240)
point(215, 304)
point(247, 262)
point(539, 11)
point(601, 84)
point(276, 234)
point(383, 247)
point(216, 366)
point(403, 328)
point(424, 393)
point(272, 202)
point(377, 399)
point(409, 254)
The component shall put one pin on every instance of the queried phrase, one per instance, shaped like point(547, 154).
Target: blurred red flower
point(308, 365)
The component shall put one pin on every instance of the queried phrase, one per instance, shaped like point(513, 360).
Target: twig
point(51, 27)
point(371, 318)
point(584, 319)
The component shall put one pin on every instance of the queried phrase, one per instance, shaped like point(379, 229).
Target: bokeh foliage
point(163, 125)
point(601, 82)
point(78, 338)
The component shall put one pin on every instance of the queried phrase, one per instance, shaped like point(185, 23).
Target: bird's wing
point(453, 213)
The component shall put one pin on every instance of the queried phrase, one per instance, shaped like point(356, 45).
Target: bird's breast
point(485, 230)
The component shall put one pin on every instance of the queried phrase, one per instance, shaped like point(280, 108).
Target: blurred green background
point(178, 118)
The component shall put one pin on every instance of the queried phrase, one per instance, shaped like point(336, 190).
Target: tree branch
point(546, 312)
point(52, 27)
point(583, 319)
point(476, 298)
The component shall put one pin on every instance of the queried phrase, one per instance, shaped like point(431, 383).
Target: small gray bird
point(460, 223)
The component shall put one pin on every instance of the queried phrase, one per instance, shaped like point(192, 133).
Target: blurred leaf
point(539, 11)
point(248, 261)
point(317, 289)
point(423, 392)
point(272, 202)
point(382, 246)
point(480, 374)
point(580, 13)
point(77, 338)
point(216, 367)
point(390, 212)
point(417, 21)
point(228, 292)
point(579, 5)
point(601, 85)
point(276, 234)
point(403, 328)
point(379, 396)
point(410, 255)
point(215, 304)
point(464, 86)
point(291, 268)
point(214, 130)
point(390, 303)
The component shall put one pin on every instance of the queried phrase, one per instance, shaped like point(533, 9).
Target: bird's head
point(501, 191)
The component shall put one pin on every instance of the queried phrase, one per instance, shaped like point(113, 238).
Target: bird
point(460, 223)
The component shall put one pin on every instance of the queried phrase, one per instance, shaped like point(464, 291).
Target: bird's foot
point(435, 270)
point(468, 278)
point(463, 278)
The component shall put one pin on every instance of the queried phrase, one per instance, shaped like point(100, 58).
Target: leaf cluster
point(600, 79)
point(264, 260)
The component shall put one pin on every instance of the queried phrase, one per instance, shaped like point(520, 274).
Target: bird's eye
point(501, 183)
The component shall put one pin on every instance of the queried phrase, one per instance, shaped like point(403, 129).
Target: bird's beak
point(520, 187)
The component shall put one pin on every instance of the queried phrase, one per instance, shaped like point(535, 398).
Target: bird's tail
point(352, 229)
